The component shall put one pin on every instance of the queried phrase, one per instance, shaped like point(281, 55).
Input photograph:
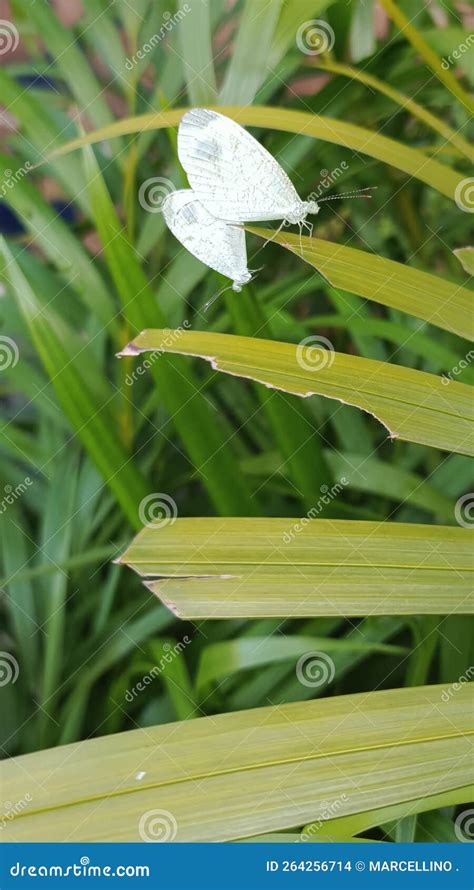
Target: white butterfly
point(232, 175)
point(218, 245)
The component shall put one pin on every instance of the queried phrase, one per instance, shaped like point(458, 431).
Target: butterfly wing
point(218, 245)
point(231, 173)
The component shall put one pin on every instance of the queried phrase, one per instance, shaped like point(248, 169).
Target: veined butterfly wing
point(220, 246)
point(234, 177)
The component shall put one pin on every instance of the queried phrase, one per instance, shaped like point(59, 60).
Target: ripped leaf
point(412, 405)
point(252, 568)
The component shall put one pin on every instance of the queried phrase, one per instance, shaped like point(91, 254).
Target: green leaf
point(420, 46)
point(72, 64)
point(465, 256)
point(418, 293)
point(39, 132)
point(92, 419)
point(195, 36)
point(222, 568)
point(405, 102)
point(414, 406)
point(61, 247)
point(381, 478)
point(231, 656)
point(337, 829)
point(248, 65)
point(255, 771)
point(350, 136)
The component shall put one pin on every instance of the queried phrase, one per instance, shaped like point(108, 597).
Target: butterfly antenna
point(358, 193)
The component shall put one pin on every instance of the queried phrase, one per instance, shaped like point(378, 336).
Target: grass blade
point(257, 568)
point(412, 405)
point(256, 771)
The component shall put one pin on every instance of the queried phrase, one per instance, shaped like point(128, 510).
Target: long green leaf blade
point(256, 771)
point(413, 405)
point(350, 136)
point(440, 302)
point(253, 568)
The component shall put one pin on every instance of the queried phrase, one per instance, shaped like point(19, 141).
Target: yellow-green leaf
point(350, 136)
point(233, 776)
point(227, 568)
point(413, 405)
point(440, 302)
